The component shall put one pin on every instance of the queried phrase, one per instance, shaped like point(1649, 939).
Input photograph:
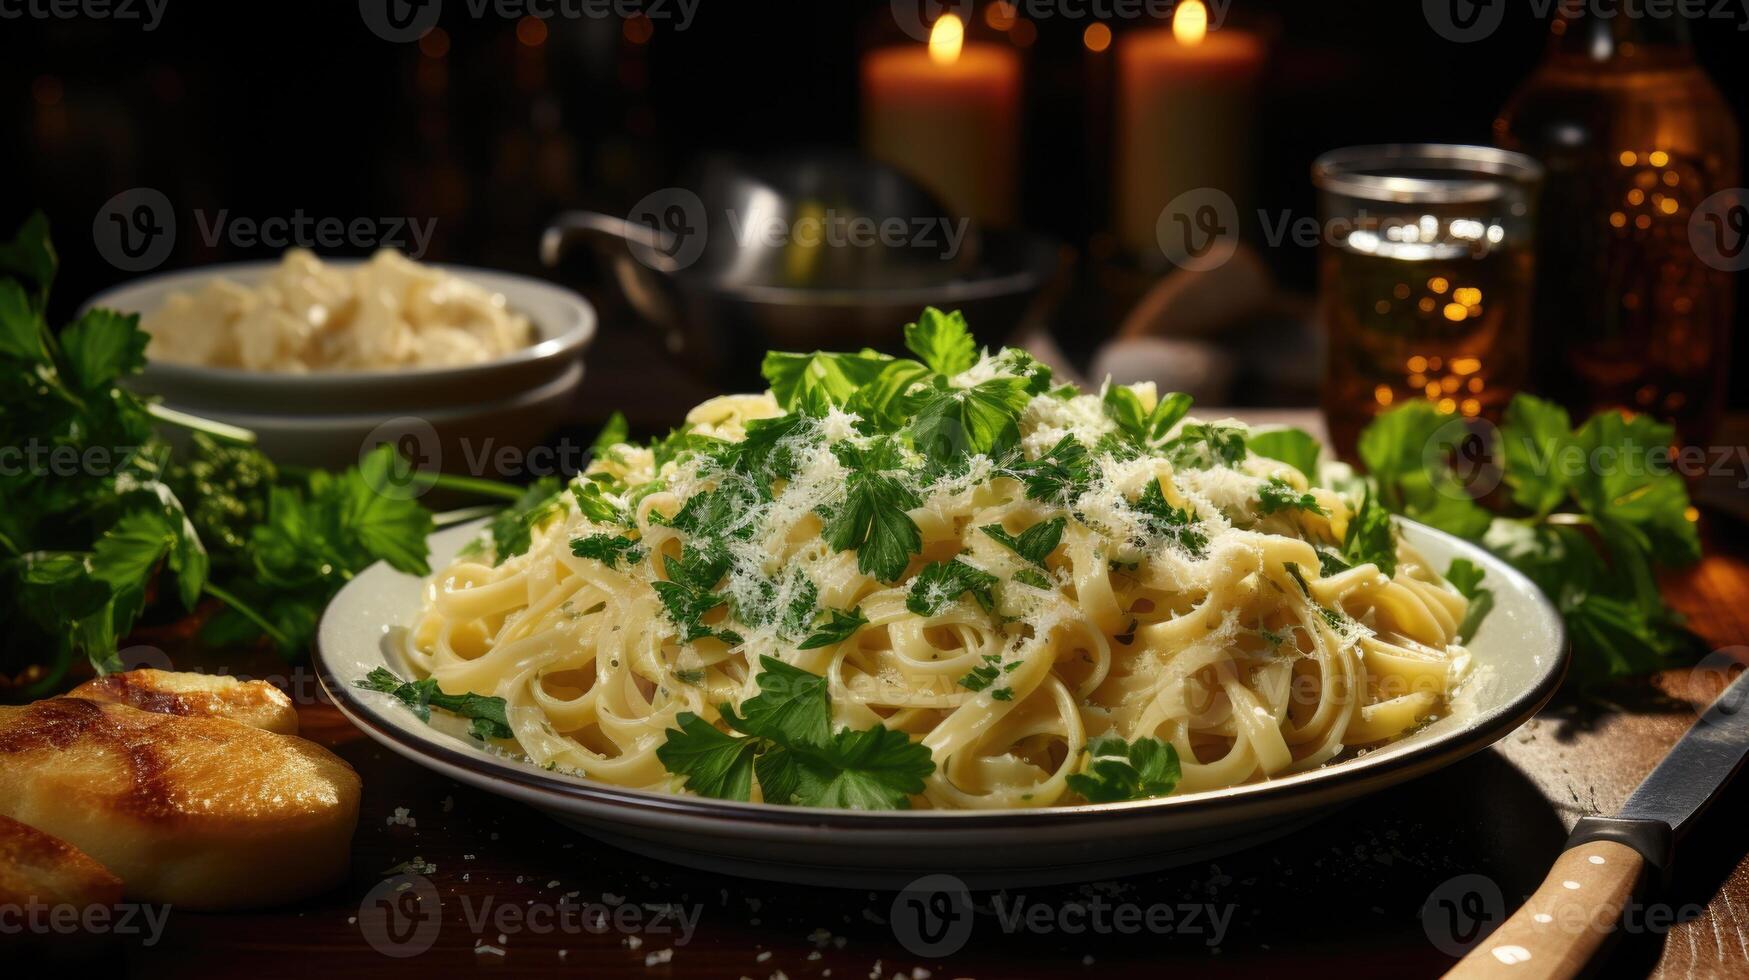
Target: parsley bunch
point(784, 735)
point(1589, 514)
point(103, 525)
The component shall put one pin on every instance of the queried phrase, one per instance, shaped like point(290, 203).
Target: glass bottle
point(1635, 139)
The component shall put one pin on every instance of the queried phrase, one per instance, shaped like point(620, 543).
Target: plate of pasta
point(899, 616)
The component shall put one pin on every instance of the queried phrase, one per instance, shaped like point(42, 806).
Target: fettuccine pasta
point(1178, 588)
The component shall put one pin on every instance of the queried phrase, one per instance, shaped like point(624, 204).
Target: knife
point(1607, 859)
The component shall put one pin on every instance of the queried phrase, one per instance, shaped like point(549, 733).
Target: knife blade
point(1703, 761)
point(1561, 927)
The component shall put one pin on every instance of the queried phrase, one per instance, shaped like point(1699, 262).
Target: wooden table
point(1367, 891)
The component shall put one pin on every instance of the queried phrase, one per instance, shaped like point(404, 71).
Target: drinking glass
point(1425, 279)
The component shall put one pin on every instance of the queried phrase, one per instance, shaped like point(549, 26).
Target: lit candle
point(948, 114)
point(1184, 115)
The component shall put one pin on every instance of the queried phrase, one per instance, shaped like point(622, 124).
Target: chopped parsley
point(1060, 476)
point(1276, 496)
point(941, 584)
point(1201, 446)
point(872, 520)
point(838, 627)
point(608, 549)
point(983, 675)
point(1035, 543)
point(1173, 523)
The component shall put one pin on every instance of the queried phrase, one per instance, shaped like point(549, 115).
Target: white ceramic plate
point(1520, 657)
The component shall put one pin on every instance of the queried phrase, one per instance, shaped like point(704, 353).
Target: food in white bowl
point(305, 316)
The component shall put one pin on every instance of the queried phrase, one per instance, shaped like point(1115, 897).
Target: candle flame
point(945, 39)
point(1190, 22)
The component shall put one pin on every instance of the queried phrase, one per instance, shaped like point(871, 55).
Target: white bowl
point(1520, 656)
point(563, 321)
point(448, 438)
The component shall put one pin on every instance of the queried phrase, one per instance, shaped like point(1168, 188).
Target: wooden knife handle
point(1556, 933)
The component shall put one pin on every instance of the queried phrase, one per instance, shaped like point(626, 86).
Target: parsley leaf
point(887, 403)
point(1060, 476)
point(792, 706)
point(838, 627)
point(875, 769)
point(1466, 577)
point(592, 503)
point(768, 452)
point(785, 733)
point(1288, 445)
point(713, 763)
point(983, 676)
point(1117, 771)
point(512, 529)
point(687, 605)
point(1035, 543)
point(487, 713)
point(608, 549)
point(1276, 496)
point(616, 432)
point(1371, 537)
point(1143, 426)
point(1175, 524)
point(1205, 445)
point(1534, 440)
point(942, 341)
point(940, 584)
point(872, 519)
point(954, 423)
point(815, 383)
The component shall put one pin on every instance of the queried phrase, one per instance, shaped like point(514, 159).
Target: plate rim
point(1329, 783)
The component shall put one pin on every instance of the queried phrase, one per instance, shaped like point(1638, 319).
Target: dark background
point(262, 109)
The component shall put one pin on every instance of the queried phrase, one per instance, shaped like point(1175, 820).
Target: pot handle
point(639, 257)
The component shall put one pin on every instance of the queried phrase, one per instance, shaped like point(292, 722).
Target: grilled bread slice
point(201, 813)
point(40, 868)
point(257, 704)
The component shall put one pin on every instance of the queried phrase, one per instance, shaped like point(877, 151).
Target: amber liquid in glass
point(1442, 320)
point(1635, 138)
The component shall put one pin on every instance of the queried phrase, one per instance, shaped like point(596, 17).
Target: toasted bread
point(194, 812)
point(257, 704)
point(39, 868)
